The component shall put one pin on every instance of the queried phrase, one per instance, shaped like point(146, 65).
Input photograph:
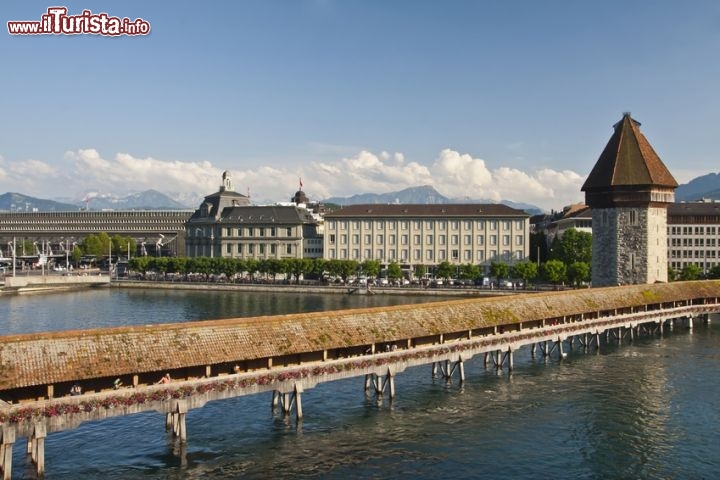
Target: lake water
point(646, 410)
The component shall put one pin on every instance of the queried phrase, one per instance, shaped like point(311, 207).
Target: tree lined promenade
point(568, 262)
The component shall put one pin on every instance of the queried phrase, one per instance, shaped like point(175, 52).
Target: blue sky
point(484, 99)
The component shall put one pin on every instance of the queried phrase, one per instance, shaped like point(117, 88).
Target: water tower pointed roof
point(628, 160)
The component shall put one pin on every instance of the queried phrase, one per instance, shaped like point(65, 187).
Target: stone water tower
point(628, 190)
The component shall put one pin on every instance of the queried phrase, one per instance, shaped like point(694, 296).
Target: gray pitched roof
point(435, 210)
point(280, 214)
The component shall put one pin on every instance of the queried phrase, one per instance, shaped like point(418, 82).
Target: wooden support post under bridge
point(175, 420)
point(286, 401)
point(448, 368)
point(8, 438)
point(36, 448)
point(381, 382)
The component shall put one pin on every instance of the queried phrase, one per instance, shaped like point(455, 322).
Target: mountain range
point(147, 200)
point(425, 195)
point(703, 187)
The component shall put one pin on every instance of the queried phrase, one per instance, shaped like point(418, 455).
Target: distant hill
point(418, 195)
point(705, 186)
point(147, 200)
point(425, 195)
point(17, 202)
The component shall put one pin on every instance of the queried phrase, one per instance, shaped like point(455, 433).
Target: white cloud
point(460, 175)
point(452, 173)
point(31, 167)
point(126, 172)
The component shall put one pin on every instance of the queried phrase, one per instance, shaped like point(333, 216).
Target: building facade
point(693, 230)
point(577, 216)
point(629, 190)
point(227, 225)
point(427, 234)
point(157, 232)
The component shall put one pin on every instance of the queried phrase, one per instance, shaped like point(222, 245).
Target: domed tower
point(300, 196)
point(629, 189)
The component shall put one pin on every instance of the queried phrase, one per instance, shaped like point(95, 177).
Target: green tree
point(92, 245)
point(499, 270)
point(713, 273)
point(139, 264)
point(202, 265)
point(317, 267)
point(228, 266)
point(525, 270)
point(690, 272)
point(371, 268)
point(120, 245)
point(76, 255)
point(538, 246)
point(394, 272)
point(342, 268)
point(573, 246)
point(470, 271)
point(252, 266)
point(178, 264)
point(554, 271)
point(445, 270)
point(419, 271)
point(348, 268)
point(298, 267)
point(578, 272)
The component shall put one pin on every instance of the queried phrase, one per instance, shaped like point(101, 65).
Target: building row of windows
point(259, 248)
point(259, 231)
point(59, 216)
point(34, 224)
point(100, 227)
point(245, 232)
point(430, 255)
point(417, 239)
point(692, 242)
point(681, 265)
point(453, 225)
point(675, 230)
point(693, 253)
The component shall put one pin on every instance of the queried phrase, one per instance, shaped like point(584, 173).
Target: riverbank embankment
point(320, 289)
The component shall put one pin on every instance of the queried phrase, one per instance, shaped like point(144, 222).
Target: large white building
point(427, 234)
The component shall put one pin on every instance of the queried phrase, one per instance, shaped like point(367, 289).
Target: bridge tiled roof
point(46, 358)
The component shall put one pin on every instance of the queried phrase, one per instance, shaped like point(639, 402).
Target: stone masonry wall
point(632, 253)
point(629, 246)
point(604, 247)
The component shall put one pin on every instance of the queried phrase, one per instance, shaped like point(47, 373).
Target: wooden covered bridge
point(118, 369)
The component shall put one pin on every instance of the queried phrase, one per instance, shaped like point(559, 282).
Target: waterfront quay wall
point(288, 354)
point(50, 282)
point(310, 288)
